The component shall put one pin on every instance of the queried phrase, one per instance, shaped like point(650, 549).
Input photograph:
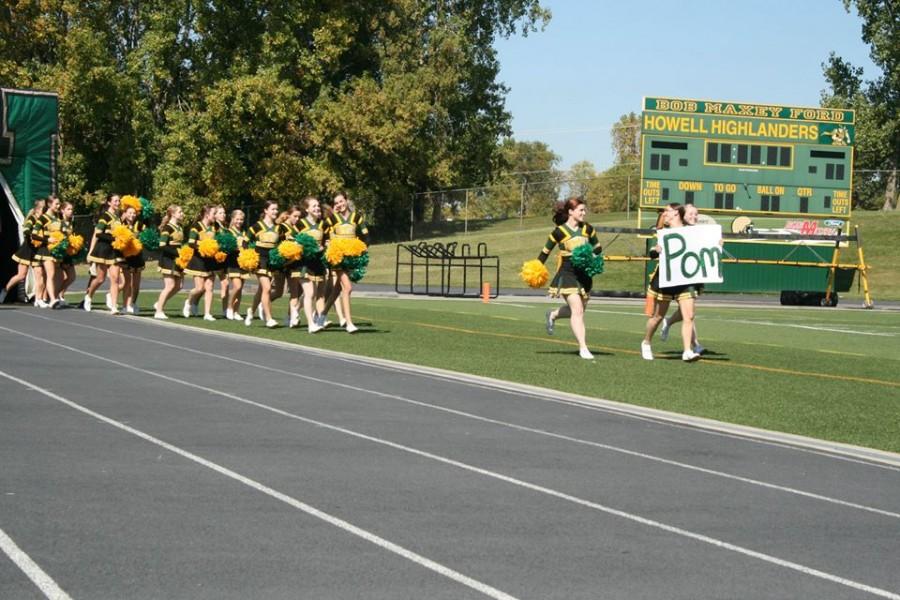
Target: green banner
point(28, 144)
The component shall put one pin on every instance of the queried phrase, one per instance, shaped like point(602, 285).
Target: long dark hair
point(266, 205)
point(561, 210)
point(169, 214)
point(105, 206)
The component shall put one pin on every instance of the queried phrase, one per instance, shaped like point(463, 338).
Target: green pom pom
point(276, 260)
point(227, 241)
point(59, 252)
point(310, 246)
point(355, 266)
point(146, 210)
point(585, 261)
point(149, 238)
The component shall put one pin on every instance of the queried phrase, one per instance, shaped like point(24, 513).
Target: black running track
point(140, 460)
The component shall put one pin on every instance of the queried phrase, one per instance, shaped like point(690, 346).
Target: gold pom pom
point(290, 250)
point(55, 238)
point(131, 202)
point(122, 236)
point(76, 243)
point(534, 273)
point(248, 259)
point(132, 248)
point(338, 248)
point(185, 254)
point(221, 256)
point(208, 247)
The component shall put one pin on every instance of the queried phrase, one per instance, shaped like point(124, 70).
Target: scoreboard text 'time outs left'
point(740, 158)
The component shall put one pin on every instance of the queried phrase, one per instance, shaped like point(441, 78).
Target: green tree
point(877, 102)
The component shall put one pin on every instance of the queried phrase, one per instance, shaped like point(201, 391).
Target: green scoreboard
point(786, 168)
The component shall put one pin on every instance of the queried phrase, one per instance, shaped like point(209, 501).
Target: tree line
point(243, 102)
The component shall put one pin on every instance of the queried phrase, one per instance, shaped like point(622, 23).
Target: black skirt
point(569, 280)
point(104, 253)
point(27, 254)
point(167, 264)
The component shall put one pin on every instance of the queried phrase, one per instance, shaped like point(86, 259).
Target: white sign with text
point(690, 255)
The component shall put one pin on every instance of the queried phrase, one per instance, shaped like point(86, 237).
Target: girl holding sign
point(672, 216)
point(569, 282)
point(691, 216)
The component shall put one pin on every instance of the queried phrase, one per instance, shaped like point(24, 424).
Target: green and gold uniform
point(313, 267)
point(103, 252)
point(338, 227)
point(201, 266)
point(264, 237)
point(568, 279)
point(48, 224)
point(293, 270)
point(232, 269)
point(171, 238)
point(136, 262)
point(27, 252)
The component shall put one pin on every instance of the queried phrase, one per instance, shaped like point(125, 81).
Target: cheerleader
point(573, 285)
point(265, 236)
point(312, 269)
point(67, 265)
point(672, 216)
point(201, 268)
point(219, 224)
point(233, 272)
point(343, 223)
point(291, 274)
point(171, 237)
point(50, 224)
point(102, 254)
point(133, 265)
point(25, 256)
point(691, 216)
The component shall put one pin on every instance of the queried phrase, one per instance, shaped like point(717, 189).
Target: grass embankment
point(829, 374)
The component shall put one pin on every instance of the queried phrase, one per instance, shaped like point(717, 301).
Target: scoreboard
point(746, 159)
point(786, 169)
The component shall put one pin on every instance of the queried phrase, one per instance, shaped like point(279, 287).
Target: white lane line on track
point(797, 567)
point(346, 526)
point(35, 573)
point(541, 432)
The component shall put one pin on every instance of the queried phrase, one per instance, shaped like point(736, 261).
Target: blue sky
point(597, 59)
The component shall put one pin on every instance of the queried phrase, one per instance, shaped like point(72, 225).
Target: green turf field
point(826, 373)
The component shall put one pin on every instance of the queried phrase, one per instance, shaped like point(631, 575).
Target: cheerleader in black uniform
point(344, 223)
point(201, 268)
point(291, 273)
point(50, 224)
point(264, 235)
point(219, 224)
point(25, 256)
point(171, 238)
point(672, 216)
point(67, 265)
point(233, 272)
point(691, 216)
point(133, 265)
point(312, 269)
point(103, 255)
point(574, 286)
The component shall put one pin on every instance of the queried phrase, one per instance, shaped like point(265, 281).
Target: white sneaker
point(114, 311)
point(237, 316)
point(342, 322)
point(689, 356)
point(129, 310)
point(41, 304)
point(208, 317)
point(314, 328)
point(160, 315)
point(87, 304)
point(646, 351)
point(351, 328)
point(260, 313)
point(294, 322)
point(155, 310)
point(664, 330)
point(229, 314)
point(186, 309)
point(698, 349)
point(271, 323)
point(109, 303)
point(585, 354)
point(249, 318)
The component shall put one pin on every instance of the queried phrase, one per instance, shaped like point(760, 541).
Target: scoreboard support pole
point(863, 270)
